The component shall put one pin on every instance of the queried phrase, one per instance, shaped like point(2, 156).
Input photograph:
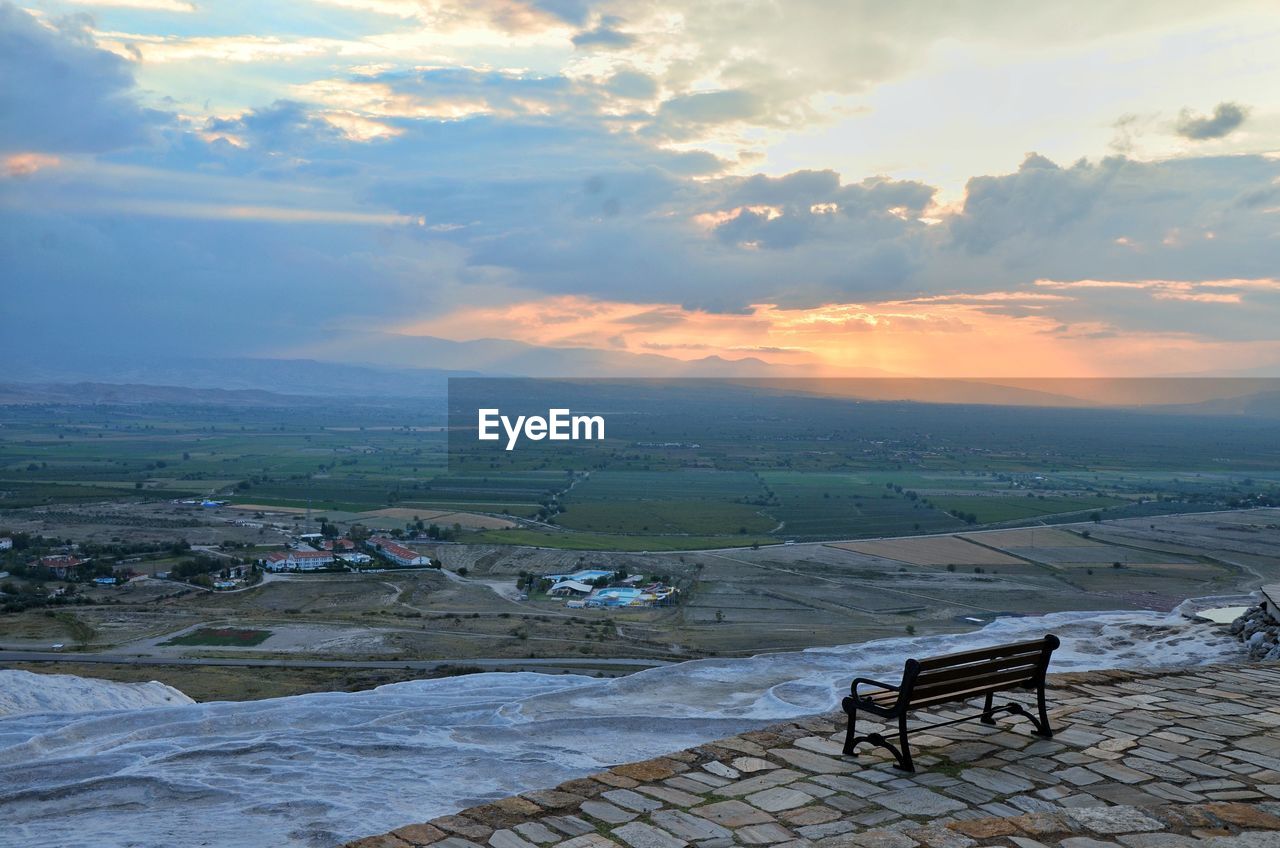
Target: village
point(42, 571)
point(31, 563)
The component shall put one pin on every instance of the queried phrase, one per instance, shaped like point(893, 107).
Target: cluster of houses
point(594, 588)
point(314, 553)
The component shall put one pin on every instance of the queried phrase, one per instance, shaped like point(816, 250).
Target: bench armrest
point(853, 688)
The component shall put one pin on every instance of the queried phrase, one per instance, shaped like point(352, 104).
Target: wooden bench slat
point(981, 654)
point(1003, 679)
point(960, 696)
point(941, 675)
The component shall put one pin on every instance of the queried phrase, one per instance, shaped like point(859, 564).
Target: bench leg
point(849, 741)
point(901, 752)
point(904, 759)
point(987, 716)
point(1043, 727)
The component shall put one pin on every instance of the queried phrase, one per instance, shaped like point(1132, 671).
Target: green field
point(770, 469)
point(994, 509)
point(814, 505)
point(680, 484)
point(666, 516)
point(607, 542)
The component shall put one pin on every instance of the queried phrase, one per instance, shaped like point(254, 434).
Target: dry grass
point(942, 550)
point(1033, 537)
point(435, 516)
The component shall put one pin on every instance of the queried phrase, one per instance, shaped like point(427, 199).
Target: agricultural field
point(992, 509)
point(1031, 537)
point(682, 484)
point(932, 550)
point(664, 517)
point(772, 469)
point(399, 516)
point(582, 541)
point(261, 458)
point(833, 506)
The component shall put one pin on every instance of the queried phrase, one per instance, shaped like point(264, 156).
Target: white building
point(571, 588)
point(397, 552)
point(297, 560)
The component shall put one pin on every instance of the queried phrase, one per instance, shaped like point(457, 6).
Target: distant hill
point(135, 394)
point(295, 377)
point(1257, 405)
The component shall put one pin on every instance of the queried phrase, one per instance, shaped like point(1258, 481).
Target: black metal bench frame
point(949, 679)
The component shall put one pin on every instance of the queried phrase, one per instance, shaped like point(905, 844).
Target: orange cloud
point(26, 164)
point(1220, 291)
point(945, 335)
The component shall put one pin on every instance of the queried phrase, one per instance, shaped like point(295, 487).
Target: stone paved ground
point(1140, 760)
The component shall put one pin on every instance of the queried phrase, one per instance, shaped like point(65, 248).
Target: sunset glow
point(652, 187)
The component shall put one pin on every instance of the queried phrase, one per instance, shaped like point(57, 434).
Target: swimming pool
point(613, 597)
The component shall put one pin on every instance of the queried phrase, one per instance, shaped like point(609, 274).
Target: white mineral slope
point(315, 770)
point(22, 692)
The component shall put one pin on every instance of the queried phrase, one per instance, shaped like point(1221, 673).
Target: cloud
point(1226, 118)
point(604, 34)
point(61, 94)
point(934, 336)
point(691, 116)
point(631, 85)
point(150, 5)
point(782, 212)
point(283, 126)
point(584, 182)
point(507, 15)
point(26, 164)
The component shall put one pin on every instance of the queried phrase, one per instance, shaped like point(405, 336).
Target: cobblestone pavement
point(1140, 760)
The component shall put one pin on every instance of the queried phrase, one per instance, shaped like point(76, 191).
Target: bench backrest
point(969, 673)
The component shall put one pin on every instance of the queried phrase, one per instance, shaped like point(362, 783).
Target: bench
point(948, 679)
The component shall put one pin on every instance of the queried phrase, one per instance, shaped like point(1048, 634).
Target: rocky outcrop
point(1259, 632)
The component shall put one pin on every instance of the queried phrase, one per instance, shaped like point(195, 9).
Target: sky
point(983, 188)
